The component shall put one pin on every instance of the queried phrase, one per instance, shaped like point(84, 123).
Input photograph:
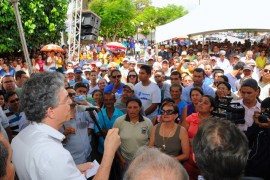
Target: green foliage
point(115, 14)
point(42, 23)
point(121, 18)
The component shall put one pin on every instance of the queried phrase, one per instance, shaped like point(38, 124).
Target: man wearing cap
point(165, 67)
point(86, 72)
point(140, 62)
point(147, 53)
point(128, 92)
point(132, 64)
point(183, 55)
point(124, 69)
point(78, 77)
point(151, 61)
point(164, 54)
point(247, 73)
point(235, 74)
point(70, 74)
point(222, 62)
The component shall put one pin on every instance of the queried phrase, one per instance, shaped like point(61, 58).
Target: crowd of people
point(70, 110)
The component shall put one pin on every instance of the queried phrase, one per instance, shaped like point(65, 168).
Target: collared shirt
point(249, 112)
point(106, 123)
point(78, 144)
point(206, 91)
point(39, 154)
point(73, 82)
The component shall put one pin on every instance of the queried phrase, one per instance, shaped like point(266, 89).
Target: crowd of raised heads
point(162, 102)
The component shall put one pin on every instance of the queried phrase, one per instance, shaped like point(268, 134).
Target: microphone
point(82, 108)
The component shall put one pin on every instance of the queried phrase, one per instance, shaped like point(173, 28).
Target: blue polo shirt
point(109, 88)
point(106, 123)
point(206, 91)
point(11, 72)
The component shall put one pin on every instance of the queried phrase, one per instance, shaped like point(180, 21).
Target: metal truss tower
point(74, 36)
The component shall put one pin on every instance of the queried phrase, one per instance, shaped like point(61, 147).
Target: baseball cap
point(236, 56)
point(70, 71)
point(131, 86)
point(141, 61)
point(251, 63)
point(132, 60)
point(165, 60)
point(125, 59)
point(248, 67)
point(184, 53)
point(78, 70)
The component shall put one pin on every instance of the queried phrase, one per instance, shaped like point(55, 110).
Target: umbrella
point(115, 46)
point(52, 47)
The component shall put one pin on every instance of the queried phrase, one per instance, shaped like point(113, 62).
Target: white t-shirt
point(148, 95)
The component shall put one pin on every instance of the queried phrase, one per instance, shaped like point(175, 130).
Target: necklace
point(164, 142)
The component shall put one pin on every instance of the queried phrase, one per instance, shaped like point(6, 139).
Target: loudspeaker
point(89, 38)
point(90, 26)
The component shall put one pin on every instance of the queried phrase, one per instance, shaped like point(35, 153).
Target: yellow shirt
point(261, 61)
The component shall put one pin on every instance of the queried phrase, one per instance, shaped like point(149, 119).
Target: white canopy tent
point(222, 15)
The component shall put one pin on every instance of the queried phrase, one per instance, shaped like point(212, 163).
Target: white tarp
point(219, 15)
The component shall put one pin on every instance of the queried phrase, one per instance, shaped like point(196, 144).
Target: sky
point(187, 4)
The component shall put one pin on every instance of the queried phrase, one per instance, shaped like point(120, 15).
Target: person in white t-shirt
point(148, 92)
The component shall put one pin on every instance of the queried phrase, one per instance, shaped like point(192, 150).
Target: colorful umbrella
point(115, 46)
point(52, 47)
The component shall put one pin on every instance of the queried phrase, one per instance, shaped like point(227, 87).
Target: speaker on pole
point(89, 26)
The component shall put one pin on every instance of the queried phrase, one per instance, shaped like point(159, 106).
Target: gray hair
point(39, 93)
point(156, 165)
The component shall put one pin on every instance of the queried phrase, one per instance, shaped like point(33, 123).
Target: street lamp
point(19, 24)
point(137, 29)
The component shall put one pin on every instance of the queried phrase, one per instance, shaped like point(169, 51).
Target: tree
point(115, 17)
point(42, 23)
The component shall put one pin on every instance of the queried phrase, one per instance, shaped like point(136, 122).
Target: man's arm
point(111, 144)
point(151, 108)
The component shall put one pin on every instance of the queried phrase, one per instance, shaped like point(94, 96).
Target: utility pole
point(19, 24)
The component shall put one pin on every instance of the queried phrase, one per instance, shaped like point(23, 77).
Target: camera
point(234, 112)
point(264, 115)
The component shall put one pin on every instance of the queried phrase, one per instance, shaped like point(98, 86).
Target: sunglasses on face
point(14, 100)
point(266, 70)
point(71, 94)
point(168, 112)
point(132, 76)
point(118, 76)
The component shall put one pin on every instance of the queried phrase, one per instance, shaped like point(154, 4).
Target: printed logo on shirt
point(144, 130)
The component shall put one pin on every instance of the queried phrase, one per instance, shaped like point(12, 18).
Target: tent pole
point(188, 40)
point(203, 39)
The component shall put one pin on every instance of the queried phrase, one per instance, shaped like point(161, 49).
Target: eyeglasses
point(168, 112)
point(266, 70)
point(71, 94)
point(8, 82)
point(222, 89)
point(14, 100)
point(132, 76)
point(118, 76)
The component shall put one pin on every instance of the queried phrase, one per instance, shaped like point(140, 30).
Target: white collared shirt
point(39, 154)
point(249, 112)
